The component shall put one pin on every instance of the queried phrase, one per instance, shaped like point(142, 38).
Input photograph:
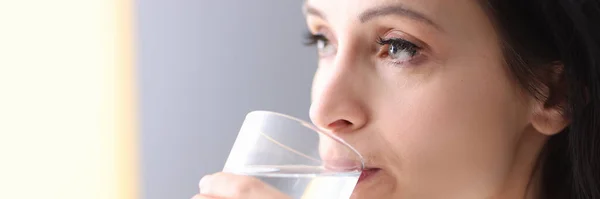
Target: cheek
point(456, 130)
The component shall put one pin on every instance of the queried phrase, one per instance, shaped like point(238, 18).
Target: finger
point(235, 186)
point(229, 185)
point(200, 196)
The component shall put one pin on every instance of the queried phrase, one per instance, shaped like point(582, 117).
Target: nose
point(339, 95)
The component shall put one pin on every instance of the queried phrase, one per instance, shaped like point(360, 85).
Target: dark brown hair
point(552, 48)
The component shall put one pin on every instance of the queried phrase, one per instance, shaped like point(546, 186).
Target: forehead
point(355, 7)
point(455, 16)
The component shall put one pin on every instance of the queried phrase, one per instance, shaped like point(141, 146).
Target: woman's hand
point(231, 186)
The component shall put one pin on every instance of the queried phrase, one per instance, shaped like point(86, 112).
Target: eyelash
point(313, 39)
point(400, 44)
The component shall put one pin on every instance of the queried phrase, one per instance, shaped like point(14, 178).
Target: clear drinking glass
point(294, 157)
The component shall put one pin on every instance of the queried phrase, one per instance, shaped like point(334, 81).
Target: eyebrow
point(373, 13)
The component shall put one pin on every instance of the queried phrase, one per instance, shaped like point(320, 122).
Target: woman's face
point(420, 89)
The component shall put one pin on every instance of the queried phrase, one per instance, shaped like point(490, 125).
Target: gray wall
point(203, 64)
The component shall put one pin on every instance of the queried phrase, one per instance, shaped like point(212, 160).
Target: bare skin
point(421, 90)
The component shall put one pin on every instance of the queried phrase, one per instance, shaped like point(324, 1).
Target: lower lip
point(367, 174)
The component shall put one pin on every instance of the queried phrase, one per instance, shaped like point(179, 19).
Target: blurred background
point(139, 98)
point(202, 65)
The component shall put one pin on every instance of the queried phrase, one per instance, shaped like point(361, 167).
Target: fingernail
point(203, 184)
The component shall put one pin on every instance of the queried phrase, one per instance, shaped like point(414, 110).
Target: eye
point(398, 50)
point(324, 46)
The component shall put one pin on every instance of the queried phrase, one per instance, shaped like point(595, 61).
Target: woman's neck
point(524, 178)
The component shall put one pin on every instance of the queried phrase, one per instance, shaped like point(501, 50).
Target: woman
point(456, 99)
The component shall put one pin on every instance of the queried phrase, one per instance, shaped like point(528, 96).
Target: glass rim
point(317, 130)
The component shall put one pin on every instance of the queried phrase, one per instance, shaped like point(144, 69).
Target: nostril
point(339, 124)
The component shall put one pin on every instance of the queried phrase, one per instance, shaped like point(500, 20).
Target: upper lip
point(369, 164)
point(341, 165)
point(348, 165)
